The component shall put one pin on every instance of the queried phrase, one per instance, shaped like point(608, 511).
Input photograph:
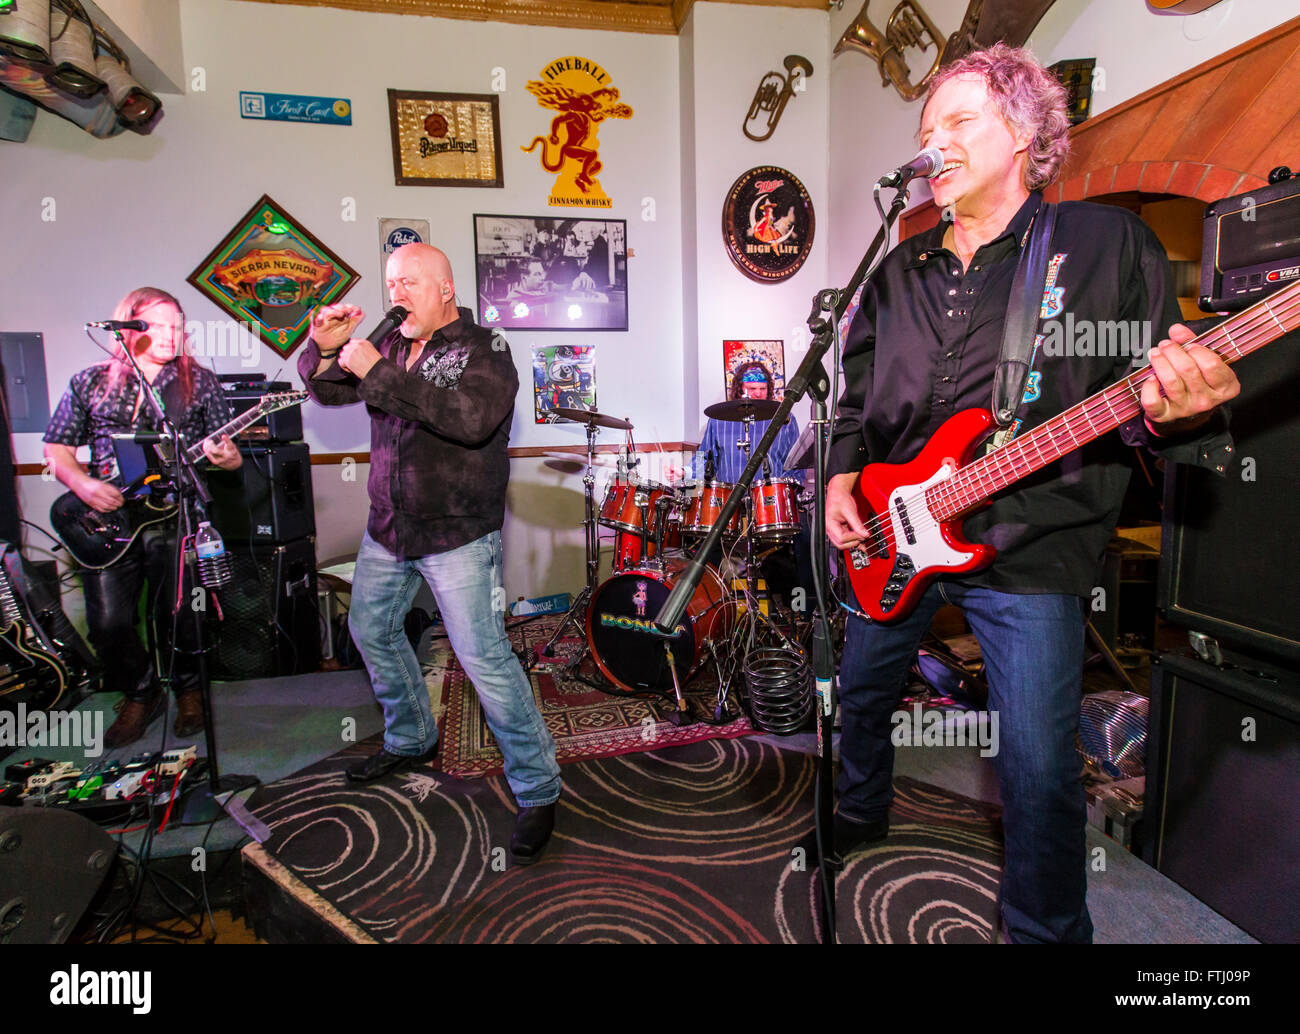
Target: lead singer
point(440, 391)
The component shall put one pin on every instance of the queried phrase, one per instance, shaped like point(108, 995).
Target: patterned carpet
point(688, 844)
point(585, 722)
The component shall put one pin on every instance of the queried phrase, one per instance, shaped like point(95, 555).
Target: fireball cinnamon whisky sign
point(581, 94)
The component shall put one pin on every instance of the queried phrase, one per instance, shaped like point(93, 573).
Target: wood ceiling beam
point(664, 17)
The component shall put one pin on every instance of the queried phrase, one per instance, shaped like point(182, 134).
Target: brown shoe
point(189, 714)
point(132, 721)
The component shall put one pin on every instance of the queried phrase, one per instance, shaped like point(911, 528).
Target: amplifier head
point(1250, 247)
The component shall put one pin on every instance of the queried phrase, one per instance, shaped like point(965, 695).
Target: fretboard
point(248, 417)
point(1231, 340)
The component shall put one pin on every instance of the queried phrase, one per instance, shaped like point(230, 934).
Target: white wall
point(873, 130)
point(1137, 49)
point(734, 46)
point(146, 210)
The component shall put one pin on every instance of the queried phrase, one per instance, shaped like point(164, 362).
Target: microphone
point(928, 164)
point(139, 325)
point(393, 319)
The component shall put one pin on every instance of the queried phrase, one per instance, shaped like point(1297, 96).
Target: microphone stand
point(192, 498)
point(810, 379)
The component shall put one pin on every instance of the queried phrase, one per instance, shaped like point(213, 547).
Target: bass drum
point(621, 633)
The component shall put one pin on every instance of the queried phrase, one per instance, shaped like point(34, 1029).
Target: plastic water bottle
point(215, 568)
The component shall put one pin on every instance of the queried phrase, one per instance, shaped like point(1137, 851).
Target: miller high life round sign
point(767, 224)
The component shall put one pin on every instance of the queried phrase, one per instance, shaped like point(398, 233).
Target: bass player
point(924, 346)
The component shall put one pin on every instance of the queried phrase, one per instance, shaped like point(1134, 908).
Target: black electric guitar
point(28, 671)
point(99, 540)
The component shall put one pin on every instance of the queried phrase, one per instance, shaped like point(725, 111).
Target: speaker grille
point(271, 622)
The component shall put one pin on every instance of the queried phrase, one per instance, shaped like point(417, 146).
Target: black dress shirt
point(438, 435)
point(924, 346)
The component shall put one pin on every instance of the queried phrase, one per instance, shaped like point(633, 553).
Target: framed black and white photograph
point(551, 273)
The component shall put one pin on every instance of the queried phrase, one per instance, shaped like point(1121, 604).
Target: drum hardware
point(591, 539)
point(682, 716)
point(779, 680)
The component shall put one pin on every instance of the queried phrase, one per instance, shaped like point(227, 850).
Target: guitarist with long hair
point(107, 399)
point(923, 347)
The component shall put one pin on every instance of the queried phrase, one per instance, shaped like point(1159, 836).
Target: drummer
point(722, 437)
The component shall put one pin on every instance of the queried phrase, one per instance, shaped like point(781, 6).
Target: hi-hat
point(743, 409)
point(590, 416)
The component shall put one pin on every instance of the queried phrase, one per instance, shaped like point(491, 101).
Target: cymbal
point(564, 463)
point(742, 409)
point(602, 459)
point(590, 416)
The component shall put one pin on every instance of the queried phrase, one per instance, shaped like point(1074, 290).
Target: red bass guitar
point(913, 511)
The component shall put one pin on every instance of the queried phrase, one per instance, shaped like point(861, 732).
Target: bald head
point(420, 280)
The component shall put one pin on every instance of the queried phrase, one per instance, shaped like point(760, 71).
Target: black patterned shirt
point(93, 409)
point(439, 435)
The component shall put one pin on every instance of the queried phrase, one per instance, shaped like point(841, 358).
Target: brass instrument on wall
point(773, 94)
point(908, 26)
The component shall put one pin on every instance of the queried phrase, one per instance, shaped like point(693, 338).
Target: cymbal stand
point(742, 641)
point(576, 614)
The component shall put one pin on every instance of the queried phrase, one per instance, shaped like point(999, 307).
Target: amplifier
point(268, 499)
point(284, 425)
point(1222, 809)
point(1250, 246)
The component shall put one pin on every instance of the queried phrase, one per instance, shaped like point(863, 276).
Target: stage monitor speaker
point(268, 500)
point(52, 863)
point(1228, 564)
point(1222, 809)
point(270, 617)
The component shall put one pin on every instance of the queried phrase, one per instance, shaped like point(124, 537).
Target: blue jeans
point(1033, 649)
point(466, 582)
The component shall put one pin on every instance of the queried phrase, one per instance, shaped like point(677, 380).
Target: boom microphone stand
point(810, 379)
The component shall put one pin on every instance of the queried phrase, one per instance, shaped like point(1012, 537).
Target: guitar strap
point(1023, 311)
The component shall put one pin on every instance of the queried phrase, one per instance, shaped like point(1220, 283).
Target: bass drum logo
point(768, 224)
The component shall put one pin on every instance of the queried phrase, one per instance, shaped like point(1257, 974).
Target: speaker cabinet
point(1228, 566)
point(270, 616)
point(268, 500)
point(1222, 810)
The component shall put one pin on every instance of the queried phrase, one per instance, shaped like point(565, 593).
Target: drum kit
point(653, 526)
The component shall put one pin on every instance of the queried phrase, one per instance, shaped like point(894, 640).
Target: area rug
point(585, 722)
point(688, 844)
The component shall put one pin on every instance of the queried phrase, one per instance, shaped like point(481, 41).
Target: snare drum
point(776, 511)
point(620, 625)
point(706, 507)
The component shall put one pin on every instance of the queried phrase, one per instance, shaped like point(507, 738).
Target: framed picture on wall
point(445, 139)
point(271, 272)
point(563, 376)
point(551, 273)
point(749, 365)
